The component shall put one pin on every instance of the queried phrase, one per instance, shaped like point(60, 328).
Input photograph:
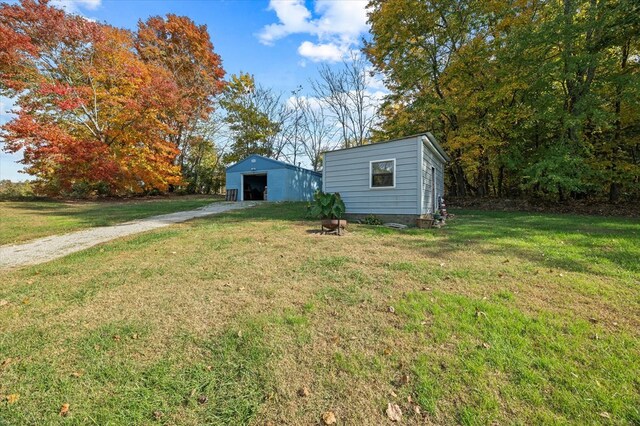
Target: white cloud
point(336, 25)
point(73, 6)
point(345, 19)
point(328, 52)
point(294, 18)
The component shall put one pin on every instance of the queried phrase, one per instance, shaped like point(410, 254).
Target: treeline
point(530, 97)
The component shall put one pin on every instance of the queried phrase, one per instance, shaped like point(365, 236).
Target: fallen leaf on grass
point(77, 374)
point(605, 415)
point(13, 398)
point(303, 391)
point(329, 418)
point(394, 413)
point(64, 410)
point(404, 379)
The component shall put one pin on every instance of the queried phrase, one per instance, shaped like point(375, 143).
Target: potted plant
point(330, 209)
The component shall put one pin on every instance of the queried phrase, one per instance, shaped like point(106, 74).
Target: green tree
point(526, 96)
point(251, 128)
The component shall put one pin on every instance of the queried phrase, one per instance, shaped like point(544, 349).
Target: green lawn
point(26, 220)
point(505, 318)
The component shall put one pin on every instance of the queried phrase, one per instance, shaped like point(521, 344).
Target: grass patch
point(498, 317)
point(491, 359)
point(220, 379)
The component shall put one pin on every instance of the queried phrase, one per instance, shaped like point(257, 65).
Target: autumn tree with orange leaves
point(97, 110)
point(185, 51)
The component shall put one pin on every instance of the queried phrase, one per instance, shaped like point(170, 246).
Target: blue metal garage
point(261, 178)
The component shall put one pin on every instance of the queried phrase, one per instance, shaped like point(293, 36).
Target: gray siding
point(347, 172)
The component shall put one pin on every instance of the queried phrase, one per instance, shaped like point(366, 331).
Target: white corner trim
point(324, 170)
point(371, 174)
point(433, 149)
point(420, 177)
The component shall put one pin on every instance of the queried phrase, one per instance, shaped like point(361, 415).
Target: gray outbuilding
point(398, 180)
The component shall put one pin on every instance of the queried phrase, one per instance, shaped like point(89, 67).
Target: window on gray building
point(383, 173)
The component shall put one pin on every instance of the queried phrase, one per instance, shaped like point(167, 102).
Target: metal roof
point(428, 135)
point(282, 163)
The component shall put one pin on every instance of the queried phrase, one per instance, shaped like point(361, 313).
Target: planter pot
point(333, 224)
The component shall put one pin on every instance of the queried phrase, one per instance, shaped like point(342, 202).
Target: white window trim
point(371, 174)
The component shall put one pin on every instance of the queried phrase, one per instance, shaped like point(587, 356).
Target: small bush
point(371, 220)
point(16, 190)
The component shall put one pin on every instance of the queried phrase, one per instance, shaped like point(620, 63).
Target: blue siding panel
point(285, 182)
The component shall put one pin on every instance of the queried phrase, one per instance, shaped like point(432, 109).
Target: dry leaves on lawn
point(64, 410)
point(329, 418)
point(394, 413)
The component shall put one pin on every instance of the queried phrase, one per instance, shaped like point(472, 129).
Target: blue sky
point(281, 42)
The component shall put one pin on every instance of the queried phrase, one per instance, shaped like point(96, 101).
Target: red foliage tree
point(94, 113)
point(185, 51)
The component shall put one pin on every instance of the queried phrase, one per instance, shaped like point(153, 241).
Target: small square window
point(383, 173)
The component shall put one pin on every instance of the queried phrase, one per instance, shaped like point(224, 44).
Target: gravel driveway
point(49, 248)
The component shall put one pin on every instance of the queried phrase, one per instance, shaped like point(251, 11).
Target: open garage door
point(254, 187)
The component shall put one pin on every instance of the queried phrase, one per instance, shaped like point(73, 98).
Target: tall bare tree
point(344, 93)
point(319, 133)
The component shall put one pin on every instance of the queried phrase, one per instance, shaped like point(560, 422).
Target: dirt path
point(52, 247)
